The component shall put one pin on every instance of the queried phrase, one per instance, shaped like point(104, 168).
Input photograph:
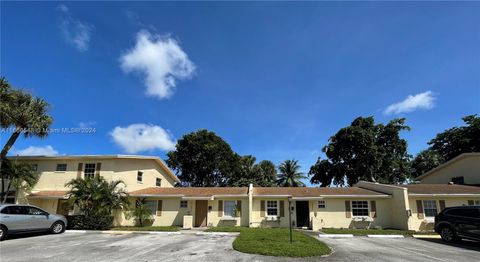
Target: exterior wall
point(334, 214)
point(214, 218)
point(399, 204)
point(417, 224)
point(49, 205)
point(259, 221)
point(468, 167)
point(111, 169)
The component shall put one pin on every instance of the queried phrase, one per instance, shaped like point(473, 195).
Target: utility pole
point(290, 216)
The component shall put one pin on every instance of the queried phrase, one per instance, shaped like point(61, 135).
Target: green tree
point(203, 159)
point(97, 197)
point(20, 176)
point(261, 174)
point(290, 175)
point(140, 212)
point(23, 113)
point(449, 144)
point(364, 151)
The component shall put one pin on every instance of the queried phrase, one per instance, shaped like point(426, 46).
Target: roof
point(314, 191)
point(191, 191)
point(159, 161)
point(441, 189)
point(449, 162)
point(48, 194)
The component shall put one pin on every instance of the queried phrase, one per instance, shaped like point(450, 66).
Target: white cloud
point(142, 137)
point(74, 31)
point(37, 151)
point(161, 61)
point(423, 100)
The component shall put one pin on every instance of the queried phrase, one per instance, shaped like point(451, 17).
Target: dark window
point(360, 208)
point(17, 210)
point(139, 176)
point(458, 180)
point(158, 182)
point(34, 167)
point(4, 211)
point(89, 171)
point(61, 167)
point(470, 212)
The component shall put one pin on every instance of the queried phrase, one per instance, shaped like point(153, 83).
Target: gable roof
point(441, 189)
point(314, 191)
point(157, 160)
point(191, 191)
point(449, 162)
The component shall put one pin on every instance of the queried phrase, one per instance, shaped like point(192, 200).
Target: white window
point(272, 208)
point(158, 182)
point(183, 204)
point(61, 167)
point(229, 208)
point(430, 208)
point(360, 208)
point(321, 204)
point(34, 167)
point(89, 170)
point(476, 202)
point(152, 205)
point(139, 176)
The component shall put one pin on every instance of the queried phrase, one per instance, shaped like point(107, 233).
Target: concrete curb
point(217, 233)
point(335, 235)
point(120, 232)
point(386, 236)
point(427, 236)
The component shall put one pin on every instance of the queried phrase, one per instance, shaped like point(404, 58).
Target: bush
point(89, 222)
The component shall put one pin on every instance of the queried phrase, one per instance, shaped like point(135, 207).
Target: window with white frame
point(321, 204)
point(475, 202)
point(34, 167)
point(139, 176)
point(61, 168)
point(158, 182)
point(360, 208)
point(429, 208)
point(89, 170)
point(272, 208)
point(183, 204)
point(152, 205)
point(229, 207)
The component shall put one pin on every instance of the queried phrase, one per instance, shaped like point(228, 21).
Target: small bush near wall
point(89, 222)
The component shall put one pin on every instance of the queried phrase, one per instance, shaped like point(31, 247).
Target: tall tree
point(261, 174)
point(364, 151)
point(203, 159)
point(290, 175)
point(20, 176)
point(449, 144)
point(26, 114)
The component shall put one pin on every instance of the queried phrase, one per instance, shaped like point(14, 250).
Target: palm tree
point(19, 176)
point(140, 212)
point(289, 174)
point(96, 196)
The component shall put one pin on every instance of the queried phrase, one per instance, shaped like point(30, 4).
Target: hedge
point(89, 222)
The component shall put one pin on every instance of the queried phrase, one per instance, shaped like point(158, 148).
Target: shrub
point(89, 222)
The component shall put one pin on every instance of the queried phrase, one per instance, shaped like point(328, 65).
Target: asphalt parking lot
point(191, 247)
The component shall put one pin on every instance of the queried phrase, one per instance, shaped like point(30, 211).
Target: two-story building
point(366, 204)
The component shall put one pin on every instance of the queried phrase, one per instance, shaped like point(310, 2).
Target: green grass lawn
point(225, 229)
point(364, 232)
point(275, 242)
point(146, 228)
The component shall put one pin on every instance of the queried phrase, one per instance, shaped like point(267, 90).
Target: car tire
point(448, 234)
point(3, 232)
point(57, 227)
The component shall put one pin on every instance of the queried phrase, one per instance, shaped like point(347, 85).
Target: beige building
point(366, 204)
point(463, 169)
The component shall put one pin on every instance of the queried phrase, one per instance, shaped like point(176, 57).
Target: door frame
point(197, 214)
point(307, 213)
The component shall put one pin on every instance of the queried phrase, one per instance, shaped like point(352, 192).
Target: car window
point(35, 211)
point(4, 211)
point(17, 210)
point(468, 212)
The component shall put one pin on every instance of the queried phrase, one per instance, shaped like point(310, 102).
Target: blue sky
point(275, 80)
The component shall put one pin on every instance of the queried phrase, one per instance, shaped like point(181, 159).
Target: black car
point(455, 223)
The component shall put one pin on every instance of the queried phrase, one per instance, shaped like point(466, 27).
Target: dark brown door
point(201, 213)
